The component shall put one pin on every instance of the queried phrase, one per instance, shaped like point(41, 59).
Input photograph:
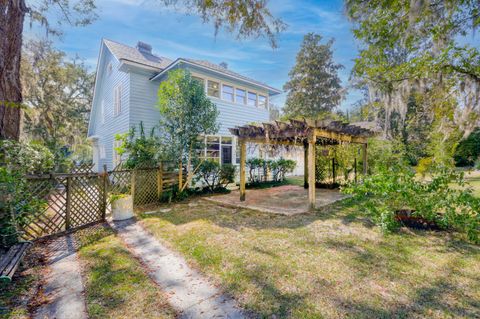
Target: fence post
point(133, 182)
point(105, 191)
point(160, 181)
point(68, 203)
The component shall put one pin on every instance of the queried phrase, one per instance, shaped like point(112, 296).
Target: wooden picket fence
point(82, 197)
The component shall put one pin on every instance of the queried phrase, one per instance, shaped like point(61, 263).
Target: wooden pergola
point(306, 133)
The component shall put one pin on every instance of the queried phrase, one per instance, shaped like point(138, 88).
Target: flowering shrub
point(443, 199)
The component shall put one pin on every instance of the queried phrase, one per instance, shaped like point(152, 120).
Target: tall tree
point(12, 16)
point(314, 88)
point(187, 113)
point(246, 18)
point(57, 96)
point(420, 47)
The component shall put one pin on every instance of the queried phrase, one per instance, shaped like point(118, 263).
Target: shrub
point(468, 150)
point(477, 164)
point(141, 150)
point(17, 204)
point(214, 176)
point(256, 166)
point(281, 167)
point(395, 188)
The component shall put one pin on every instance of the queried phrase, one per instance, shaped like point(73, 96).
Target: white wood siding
point(106, 93)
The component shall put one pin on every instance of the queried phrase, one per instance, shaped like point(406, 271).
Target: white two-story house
point(126, 86)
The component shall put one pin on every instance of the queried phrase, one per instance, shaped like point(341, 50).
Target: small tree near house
point(187, 113)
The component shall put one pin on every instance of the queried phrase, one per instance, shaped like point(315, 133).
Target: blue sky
point(174, 34)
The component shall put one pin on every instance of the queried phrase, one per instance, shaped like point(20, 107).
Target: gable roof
point(131, 54)
point(125, 53)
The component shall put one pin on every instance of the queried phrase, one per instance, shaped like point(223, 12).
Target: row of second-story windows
point(117, 103)
point(232, 93)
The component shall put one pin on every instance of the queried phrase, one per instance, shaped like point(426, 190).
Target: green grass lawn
point(116, 285)
point(473, 178)
point(330, 264)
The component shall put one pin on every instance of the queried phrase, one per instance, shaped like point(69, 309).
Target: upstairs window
point(199, 80)
point(262, 101)
point(241, 96)
point(110, 68)
point(227, 93)
point(252, 99)
point(117, 101)
point(213, 89)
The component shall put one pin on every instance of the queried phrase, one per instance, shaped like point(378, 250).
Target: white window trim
point(235, 87)
point(220, 143)
point(117, 100)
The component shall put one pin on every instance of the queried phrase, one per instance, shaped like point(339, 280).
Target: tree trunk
point(12, 14)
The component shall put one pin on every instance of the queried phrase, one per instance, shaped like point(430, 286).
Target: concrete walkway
point(188, 291)
point(64, 287)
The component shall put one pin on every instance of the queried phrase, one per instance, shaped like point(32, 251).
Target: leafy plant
point(17, 203)
point(215, 176)
point(141, 150)
point(435, 200)
point(186, 113)
point(255, 168)
point(281, 167)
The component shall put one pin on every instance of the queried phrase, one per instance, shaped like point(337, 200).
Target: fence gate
point(69, 201)
point(82, 197)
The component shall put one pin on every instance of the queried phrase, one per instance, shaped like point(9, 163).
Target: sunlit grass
point(116, 284)
point(330, 264)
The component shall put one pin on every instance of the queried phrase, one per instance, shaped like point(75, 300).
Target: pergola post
point(305, 166)
point(311, 171)
point(365, 159)
point(243, 158)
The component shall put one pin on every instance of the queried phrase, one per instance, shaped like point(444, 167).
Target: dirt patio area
point(285, 200)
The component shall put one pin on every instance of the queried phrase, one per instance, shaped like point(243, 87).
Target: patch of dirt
point(408, 219)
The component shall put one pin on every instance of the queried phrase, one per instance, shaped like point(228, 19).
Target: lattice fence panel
point(51, 219)
point(146, 186)
point(86, 200)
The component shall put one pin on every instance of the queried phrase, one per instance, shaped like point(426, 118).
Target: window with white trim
point(262, 101)
point(252, 98)
point(227, 93)
point(117, 101)
point(199, 80)
point(240, 96)
point(213, 88)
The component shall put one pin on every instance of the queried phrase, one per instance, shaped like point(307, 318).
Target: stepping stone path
point(189, 292)
point(63, 288)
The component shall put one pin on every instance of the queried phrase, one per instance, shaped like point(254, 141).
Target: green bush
point(477, 164)
point(256, 168)
point(141, 150)
point(17, 204)
point(468, 150)
point(214, 176)
point(281, 167)
point(443, 199)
